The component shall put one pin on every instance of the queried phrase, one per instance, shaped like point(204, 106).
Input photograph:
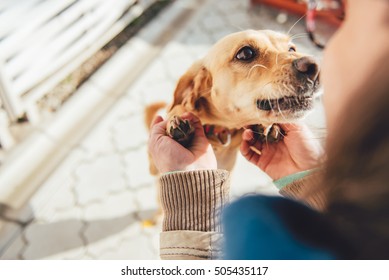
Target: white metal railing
point(43, 41)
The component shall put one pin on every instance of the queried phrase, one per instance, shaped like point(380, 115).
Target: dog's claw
point(275, 134)
point(180, 130)
point(271, 134)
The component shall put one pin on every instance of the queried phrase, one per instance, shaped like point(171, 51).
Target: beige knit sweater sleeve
point(304, 190)
point(192, 203)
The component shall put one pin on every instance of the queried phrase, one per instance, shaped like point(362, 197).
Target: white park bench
point(43, 41)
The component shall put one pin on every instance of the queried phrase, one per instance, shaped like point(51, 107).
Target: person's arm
point(193, 192)
point(298, 186)
point(291, 163)
point(192, 203)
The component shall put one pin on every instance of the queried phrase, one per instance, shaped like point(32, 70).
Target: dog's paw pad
point(180, 130)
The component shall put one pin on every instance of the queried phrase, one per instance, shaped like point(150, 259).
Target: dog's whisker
point(299, 35)
point(312, 83)
point(271, 108)
point(283, 66)
point(282, 115)
point(288, 89)
point(265, 85)
point(298, 38)
point(282, 134)
point(292, 89)
point(255, 66)
point(290, 29)
point(297, 100)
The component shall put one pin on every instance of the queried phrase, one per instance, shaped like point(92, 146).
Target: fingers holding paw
point(180, 130)
point(271, 134)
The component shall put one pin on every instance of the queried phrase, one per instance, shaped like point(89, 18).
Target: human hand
point(298, 151)
point(168, 155)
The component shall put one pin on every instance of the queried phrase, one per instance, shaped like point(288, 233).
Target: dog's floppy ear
point(193, 88)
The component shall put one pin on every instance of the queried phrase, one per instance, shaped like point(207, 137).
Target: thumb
point(158, 126)
point(156, 120)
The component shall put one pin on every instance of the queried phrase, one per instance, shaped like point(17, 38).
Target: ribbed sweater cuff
point(193, 200)
point(305, 191)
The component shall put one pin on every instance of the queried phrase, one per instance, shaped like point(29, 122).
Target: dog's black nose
point(307, 66)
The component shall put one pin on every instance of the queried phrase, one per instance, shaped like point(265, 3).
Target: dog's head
point(250, 77)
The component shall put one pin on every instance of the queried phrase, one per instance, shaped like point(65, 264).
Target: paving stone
point(119, 248)
point(99, 177)
point(240, 21)
point(213, 21)
point(63, 198)
point(119, 206)
point(99, 140)
point(14, 250)
point(136, 248)
point(156, 73)
point(199, 36)
point(125, 106)
point(173, 50)
point(219, 34)
point(228, 6)
point(102, 238)
point(147, 198)
point(137, 168)
point(72, 213)
point(178, 67)
point(109, 221)
point(153, 234)
point(72, 254)
point(61, 173)
point(129, 132)
point(163, 91)
point(109, 243)
point(53, 240)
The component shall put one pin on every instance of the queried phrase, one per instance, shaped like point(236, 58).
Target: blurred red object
point(299, 8)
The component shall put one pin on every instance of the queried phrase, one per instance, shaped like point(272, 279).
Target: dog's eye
point(245, 53)
point(292, 49)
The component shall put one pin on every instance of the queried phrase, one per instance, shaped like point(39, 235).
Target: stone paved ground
point(93, 204)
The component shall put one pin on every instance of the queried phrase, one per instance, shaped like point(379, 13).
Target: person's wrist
point(290, 171)
point(290, 178)
point(199, 166)
point(187, 167)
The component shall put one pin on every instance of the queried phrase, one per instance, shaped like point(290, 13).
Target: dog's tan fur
point(223, 90)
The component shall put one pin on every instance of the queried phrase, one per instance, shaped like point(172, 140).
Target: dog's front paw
point(271, 134)
point(275, 134)
point(259, 132)
point(180, 130)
